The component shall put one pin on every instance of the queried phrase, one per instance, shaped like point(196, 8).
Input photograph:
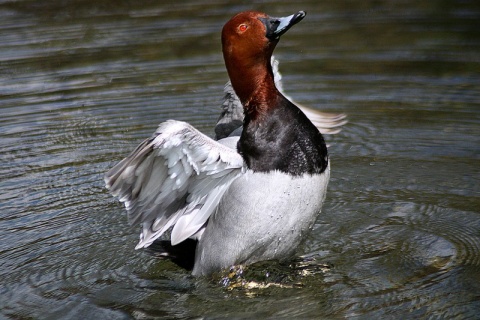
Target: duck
point(254, 191)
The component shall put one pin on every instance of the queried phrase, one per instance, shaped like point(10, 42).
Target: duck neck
point(255, 87)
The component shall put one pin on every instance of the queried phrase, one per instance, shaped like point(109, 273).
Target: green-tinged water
point(82, 83)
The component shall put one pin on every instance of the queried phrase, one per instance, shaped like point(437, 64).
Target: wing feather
point(175, 178)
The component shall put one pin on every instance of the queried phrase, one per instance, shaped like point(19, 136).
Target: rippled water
point(83, 82)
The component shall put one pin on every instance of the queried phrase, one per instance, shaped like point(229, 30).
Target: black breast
point(285, 140)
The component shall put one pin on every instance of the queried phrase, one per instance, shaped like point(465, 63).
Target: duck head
point(248, 41)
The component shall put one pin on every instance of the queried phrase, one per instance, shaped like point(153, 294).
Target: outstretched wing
point(231, 118)
point(175, 178)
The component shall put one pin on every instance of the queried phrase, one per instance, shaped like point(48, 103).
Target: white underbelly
point(262, 216)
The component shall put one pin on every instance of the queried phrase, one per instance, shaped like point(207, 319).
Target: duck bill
point(278, 26)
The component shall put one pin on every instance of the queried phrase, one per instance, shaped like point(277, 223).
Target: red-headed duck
point(244, 198)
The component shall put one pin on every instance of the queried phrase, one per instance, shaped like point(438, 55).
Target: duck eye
point(242, 27)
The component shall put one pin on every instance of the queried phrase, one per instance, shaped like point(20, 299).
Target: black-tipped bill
point(278, 26)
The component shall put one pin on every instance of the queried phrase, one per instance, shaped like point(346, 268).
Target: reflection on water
point(83, 82)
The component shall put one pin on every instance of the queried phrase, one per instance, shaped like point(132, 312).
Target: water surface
point(82, 83)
